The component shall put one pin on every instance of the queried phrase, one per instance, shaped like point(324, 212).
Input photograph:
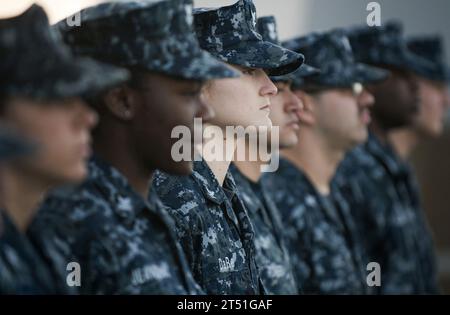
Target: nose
point(366, 99)
point(205, 112)
point(268, 89)
point(293, 103)
point(87, 117)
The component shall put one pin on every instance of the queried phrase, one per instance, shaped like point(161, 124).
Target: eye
point(192, 93)
point(249, 71)
point(192, 90)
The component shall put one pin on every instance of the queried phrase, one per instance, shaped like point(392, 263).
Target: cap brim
point(366, 74)
point(348, 75)
point(200, 65)
point(406, 60)
point(304, 71)
point(95, 77)
point(77, 77)
point(275, 59)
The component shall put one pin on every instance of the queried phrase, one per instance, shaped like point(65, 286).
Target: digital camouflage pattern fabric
point(123, 243)
point(332, 54)
point(157, 37)
point(230, 34)
point(272, 257)
point(213, 228)
point(322, 238)
point(385, 204)
point(50, 72)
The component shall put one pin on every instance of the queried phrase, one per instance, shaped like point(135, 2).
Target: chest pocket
point(224, 266)
point(227, 275)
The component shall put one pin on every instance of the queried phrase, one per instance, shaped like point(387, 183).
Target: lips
point(85, 147)
point(265, 107)
point(365, 117)
point(85, 150)
point(295, 124)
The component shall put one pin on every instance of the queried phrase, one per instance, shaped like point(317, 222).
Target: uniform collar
point(386, 155)
point(124, 200)
point(209, 185)
point(313, 197)
point(247, 194)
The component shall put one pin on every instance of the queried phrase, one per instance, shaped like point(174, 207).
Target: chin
point(78, 175)
point(359, 139)
point(288, 141)
point(434, 131)
point(264, 121)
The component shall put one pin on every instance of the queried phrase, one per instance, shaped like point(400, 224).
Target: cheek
point(432, 110)
point(58, 144)
point(59, 153)
point(406, 91)
point(277, 113)
point(342, 117)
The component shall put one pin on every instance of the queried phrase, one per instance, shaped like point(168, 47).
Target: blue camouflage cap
point(35, 63)
point(267, 27)
point(12, 145)
point(156, 37)
point(385, 46)
point(230, 34)
point(332, 54)
point(432, 49)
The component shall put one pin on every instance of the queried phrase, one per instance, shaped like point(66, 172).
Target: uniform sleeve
point(182, 204)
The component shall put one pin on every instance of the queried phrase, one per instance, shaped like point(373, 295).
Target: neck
point(250, 169)
point(219, 165)
point(380, 132)
point(404, 141)
point(22, 195)
point(119, 152)
point(316, 158)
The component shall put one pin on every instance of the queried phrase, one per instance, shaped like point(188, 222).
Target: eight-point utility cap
point(35, 63)
point(156, 37)
point(332, 54)
point(267, 27)
point(385, 46)
point(432, 49)
point(230, 34)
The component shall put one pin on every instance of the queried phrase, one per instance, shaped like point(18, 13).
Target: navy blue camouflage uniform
point(382, 188)
point(322, 240)
point(123, 244)
point(213, 228)
point(22, 268)
point(385, 203)
point(272, 257)
point(212, 223)
point(35, 64)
